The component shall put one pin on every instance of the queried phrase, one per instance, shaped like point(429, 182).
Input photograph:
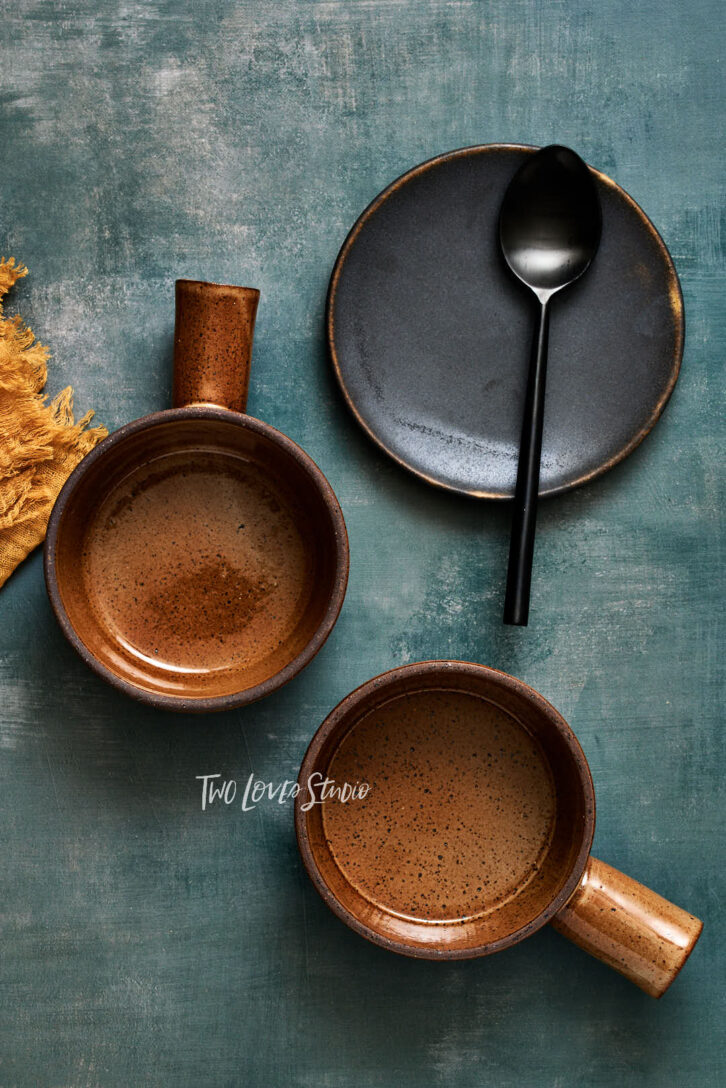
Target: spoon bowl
point(550, 221)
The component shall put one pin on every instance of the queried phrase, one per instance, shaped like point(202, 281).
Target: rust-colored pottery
point(477, 827)
point(197, 559)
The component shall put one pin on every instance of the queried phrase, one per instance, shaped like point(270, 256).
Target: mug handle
point(629, 927)
point(215, 325)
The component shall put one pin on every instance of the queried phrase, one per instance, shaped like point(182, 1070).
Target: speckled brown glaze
point(213, 343)
point(479, 733)
point(197, 559)
point(477, 829)
point(629, 927)
point(461, 812)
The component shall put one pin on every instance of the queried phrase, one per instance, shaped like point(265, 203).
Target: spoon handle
point(524, 517)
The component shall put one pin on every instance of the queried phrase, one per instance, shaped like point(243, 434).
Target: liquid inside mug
point(197, 558)
point(477, 827)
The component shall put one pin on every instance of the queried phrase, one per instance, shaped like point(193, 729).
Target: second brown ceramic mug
point(476, 829)
point(197, 558)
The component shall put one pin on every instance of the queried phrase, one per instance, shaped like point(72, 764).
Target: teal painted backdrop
point(148, 943)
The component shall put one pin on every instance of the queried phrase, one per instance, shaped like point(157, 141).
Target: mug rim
point(232, 700)
point(342, 715)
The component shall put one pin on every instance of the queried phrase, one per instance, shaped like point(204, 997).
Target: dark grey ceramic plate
point(430, 334)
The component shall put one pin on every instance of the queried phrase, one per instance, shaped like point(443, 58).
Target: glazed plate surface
point(430, 334)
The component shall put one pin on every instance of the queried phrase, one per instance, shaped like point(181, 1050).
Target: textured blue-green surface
point(147, 943)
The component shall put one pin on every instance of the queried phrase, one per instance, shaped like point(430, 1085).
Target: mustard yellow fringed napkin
point(40, 444)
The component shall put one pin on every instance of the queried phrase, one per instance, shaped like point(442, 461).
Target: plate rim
point(675, 296)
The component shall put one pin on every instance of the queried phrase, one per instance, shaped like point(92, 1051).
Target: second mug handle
point(213, 335)
point(629, 927)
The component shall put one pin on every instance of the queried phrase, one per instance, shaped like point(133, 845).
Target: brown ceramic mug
point(477, 827)
point(197, 559)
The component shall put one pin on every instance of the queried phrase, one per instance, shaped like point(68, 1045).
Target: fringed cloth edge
point(40, 443)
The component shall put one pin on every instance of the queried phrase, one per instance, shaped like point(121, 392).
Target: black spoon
point(549, 231)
